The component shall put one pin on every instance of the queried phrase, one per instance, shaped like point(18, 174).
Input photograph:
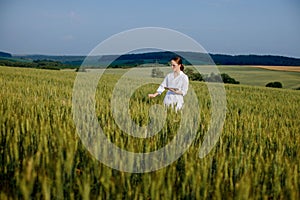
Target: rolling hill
point(132, 60)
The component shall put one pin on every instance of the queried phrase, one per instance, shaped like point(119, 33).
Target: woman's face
point(175, 66)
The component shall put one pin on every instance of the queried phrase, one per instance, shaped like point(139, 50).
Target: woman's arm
point(160, 89)
point(184, 87)
point(153, 95)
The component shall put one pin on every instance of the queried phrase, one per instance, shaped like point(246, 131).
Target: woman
point(176, 83)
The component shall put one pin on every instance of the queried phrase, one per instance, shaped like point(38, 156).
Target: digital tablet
point(170, 88)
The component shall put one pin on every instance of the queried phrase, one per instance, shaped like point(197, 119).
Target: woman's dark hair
point(178, 60)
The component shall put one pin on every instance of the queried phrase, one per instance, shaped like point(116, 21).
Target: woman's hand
point(152, 95)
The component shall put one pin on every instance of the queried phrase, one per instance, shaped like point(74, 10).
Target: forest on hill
point(133, 60)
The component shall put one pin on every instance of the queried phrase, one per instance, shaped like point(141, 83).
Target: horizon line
point(129, 53)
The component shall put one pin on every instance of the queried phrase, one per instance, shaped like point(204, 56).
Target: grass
point(42, 157)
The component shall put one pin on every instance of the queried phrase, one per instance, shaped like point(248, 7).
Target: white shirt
point(181, 82)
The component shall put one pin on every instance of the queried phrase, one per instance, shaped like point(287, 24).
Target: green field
point(42, 157)
point(249, 75)
point(246, 75)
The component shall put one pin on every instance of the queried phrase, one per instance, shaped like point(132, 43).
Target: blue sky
point(221, 26)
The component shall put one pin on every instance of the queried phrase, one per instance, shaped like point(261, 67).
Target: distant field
point(246, 75)
point(257, 76)
point(282, 68)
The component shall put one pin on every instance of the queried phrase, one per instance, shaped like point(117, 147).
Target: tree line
point(196, 76)
point(39, 64)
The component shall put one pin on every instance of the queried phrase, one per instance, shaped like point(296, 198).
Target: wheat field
point(42, 157)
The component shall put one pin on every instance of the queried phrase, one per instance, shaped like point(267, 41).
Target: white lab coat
point(181, 82)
